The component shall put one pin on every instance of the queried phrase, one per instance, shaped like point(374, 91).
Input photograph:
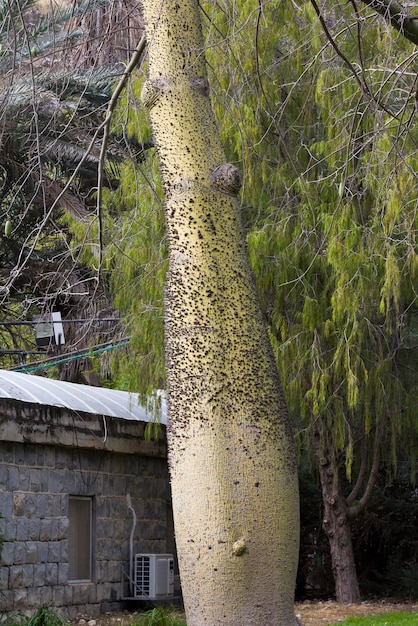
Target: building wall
point(36, 481)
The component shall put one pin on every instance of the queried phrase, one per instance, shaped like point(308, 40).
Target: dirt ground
point(324, 613)
point(310, 613)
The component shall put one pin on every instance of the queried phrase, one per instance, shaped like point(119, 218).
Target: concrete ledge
point(21, 422)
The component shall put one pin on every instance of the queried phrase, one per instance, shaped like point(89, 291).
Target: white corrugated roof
point(98, 400)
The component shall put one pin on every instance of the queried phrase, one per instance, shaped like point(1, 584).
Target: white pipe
point(131, 544)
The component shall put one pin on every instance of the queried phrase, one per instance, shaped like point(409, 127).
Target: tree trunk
point(336, 525)
point(231, 452)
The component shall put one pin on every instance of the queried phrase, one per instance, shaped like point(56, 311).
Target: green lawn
point(386, 619)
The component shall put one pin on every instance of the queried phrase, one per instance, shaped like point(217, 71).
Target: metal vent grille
point(153, 576)
point(142, 575)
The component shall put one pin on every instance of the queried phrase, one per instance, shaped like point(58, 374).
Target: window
point(80, 512)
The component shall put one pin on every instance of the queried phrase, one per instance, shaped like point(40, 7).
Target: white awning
point(98, 400)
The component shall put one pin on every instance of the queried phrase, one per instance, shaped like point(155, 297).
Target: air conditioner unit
point(153, 576)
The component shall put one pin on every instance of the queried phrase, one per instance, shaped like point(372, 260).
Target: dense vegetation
point(328, 203)
point(322, 123)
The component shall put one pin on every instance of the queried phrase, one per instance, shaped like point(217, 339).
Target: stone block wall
point(36, 481)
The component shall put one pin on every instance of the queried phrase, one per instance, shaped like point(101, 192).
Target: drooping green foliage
point(134, 251)
point(329, 159)
point(329, 154)
point(136, 258)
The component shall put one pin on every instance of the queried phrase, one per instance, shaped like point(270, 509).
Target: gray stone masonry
point(36, 481)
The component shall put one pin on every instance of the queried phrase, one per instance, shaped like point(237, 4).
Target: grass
point(160, 617)
point(44, 616)
point(386, 619)
point(47, 616)
point(163, 616)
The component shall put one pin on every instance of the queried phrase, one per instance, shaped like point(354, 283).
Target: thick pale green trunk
point(232, 462)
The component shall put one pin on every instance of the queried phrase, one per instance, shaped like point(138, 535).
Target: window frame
point(74, 548)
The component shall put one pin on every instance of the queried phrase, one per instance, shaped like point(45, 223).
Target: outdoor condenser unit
point(153, 576)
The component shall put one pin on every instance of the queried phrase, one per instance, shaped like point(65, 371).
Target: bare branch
point(355, 509)
point(397, 16)
point(106, 126)
point(362, 473)
point(363, 88)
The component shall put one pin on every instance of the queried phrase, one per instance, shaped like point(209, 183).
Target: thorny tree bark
point(231, 453)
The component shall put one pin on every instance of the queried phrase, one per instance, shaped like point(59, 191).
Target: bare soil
point(310, 613)
point(324, 613)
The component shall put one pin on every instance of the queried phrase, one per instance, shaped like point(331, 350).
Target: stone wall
point(36, 481)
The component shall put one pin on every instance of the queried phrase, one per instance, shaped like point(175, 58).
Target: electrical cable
point(54, 361)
